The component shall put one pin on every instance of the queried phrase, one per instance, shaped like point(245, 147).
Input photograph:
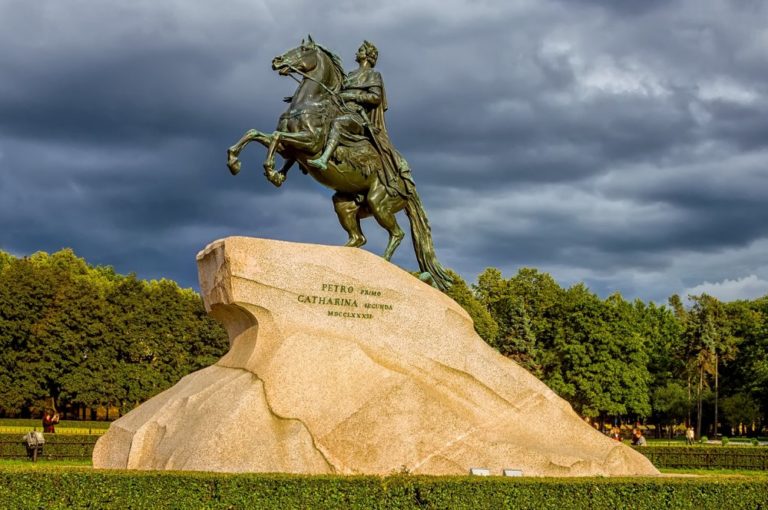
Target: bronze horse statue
point(354, 172)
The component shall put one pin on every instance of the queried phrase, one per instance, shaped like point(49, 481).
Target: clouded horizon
point(622, 144)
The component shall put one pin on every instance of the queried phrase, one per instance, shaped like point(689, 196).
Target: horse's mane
point(337, 64)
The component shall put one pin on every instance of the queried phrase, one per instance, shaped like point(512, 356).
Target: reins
point(334, 95)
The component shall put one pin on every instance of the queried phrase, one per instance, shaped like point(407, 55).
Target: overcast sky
point(619, 143)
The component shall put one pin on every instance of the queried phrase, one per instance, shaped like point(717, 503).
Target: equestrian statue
point(334, 129)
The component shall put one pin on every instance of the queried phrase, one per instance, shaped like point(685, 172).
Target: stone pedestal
point(340, 362)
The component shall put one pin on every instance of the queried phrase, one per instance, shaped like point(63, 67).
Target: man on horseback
point(369, 176)
point(362, 119)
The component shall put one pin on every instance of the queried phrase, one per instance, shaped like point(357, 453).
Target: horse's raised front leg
point(252, 135)
point(276, 178)
point(280, 141)
point(269, 162)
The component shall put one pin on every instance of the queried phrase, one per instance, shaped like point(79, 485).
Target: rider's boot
point(322, 161)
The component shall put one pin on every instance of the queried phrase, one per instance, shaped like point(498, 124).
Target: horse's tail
point(421, 234)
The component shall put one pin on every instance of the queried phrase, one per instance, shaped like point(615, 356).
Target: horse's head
point(302, 58)
point(309, 57)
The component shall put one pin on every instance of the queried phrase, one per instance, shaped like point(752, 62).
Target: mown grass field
point(22, 426)
point(26, 465)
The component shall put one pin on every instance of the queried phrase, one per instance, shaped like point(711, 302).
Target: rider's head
point(371, 52)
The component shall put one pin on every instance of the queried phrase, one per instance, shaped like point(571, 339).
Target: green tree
point(603, 368)
point(709, 342)
point(670, 404)
point(661, 330)
point(485, 325)
point(747, 374)
point(526, 308)
point(82, 336)
point(740, 409)
point(48, 307)
point(24, 297)
point(5, 259)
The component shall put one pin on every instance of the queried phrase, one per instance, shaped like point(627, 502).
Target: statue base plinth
point(340, 362)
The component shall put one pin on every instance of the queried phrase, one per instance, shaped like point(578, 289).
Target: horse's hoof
point(427, 277)
point(276, 178)
point(356, 242)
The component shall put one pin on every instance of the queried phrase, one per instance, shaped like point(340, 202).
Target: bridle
point(334, 95)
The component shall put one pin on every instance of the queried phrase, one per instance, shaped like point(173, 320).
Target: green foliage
point(604, 356)
point(670, 402)
point(740, 408)
point(724, 441)
point(5, 260)
point(524, 308)
point(79, 336)
point(85, 336)
point(612, 358)
point(590, 351)
point(485, 326)
point(75, 489)
point(747, 374)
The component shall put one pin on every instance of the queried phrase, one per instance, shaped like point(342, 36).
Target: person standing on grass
point(689, 435)
point(50, 418)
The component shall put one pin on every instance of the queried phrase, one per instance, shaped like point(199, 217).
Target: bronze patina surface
point(334, 129)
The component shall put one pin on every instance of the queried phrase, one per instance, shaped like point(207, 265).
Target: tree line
point(80, 336)
point(77, 337)
point(694, 363)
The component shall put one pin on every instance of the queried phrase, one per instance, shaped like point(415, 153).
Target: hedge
point(707, 457)
point(105, 489)
point(57, 446)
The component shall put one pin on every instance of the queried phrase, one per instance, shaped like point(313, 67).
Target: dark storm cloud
point(619, 143)
point(623, 7)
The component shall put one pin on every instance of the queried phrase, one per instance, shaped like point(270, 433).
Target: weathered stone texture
point(341, 362)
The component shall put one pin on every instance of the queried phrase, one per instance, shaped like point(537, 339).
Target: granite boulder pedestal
point(341, 362)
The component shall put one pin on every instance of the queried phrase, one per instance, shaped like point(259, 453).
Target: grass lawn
point(26, 465)
point(716, 473)
point(22, 426)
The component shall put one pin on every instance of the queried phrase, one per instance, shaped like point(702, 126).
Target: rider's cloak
point(394, 172)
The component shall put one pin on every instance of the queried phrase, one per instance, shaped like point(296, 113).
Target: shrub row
point(100, 489)
point(707, 457)
point(57, 446)
point(695, 457)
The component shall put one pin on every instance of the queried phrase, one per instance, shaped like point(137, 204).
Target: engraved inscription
point(355, 303)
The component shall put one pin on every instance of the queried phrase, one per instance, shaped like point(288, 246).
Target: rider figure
point(362, 119)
